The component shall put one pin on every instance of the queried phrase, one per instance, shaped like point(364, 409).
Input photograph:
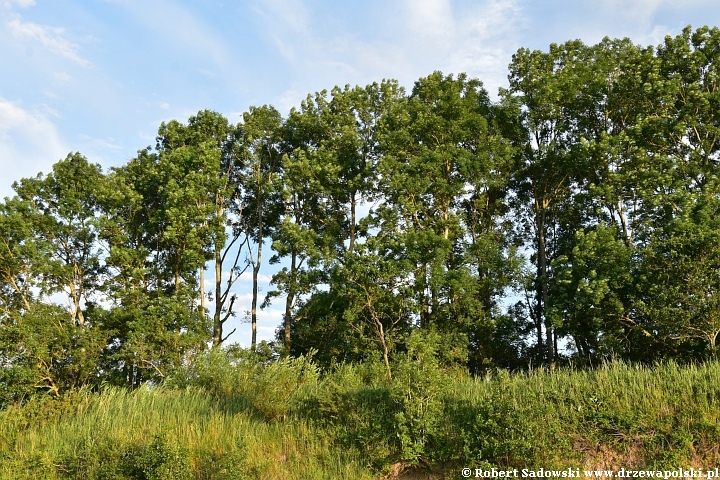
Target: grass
point(166, 434)
point(232, 421)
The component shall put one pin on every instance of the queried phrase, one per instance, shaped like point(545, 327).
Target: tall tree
point(328, 177)
point(445, 172)
point(50, 246)
point(611, 132)
point(63, 215)
point(210, 139)
point(546, 85)
point(262, 159)
point(677, 294)
point(157, 229)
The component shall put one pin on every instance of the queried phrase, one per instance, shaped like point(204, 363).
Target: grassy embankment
point(286, 421)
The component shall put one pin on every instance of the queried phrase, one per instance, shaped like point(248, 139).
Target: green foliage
point(47, 353)
point(679, 278)
point(354, 402)
point(418, 387)
point(591, 289)
point(158, 459)
point(403, 224)
point(151, 338)
point(354, 416)
point(269, 387)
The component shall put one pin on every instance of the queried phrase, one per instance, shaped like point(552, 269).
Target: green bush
point(418, 389)
point(273, 388)
point(265, 384)
point(158, 459)
point(354, 403)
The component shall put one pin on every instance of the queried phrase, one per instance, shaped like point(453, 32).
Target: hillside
point(234, 418)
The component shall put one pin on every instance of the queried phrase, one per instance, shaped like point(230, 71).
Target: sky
point(99, 76)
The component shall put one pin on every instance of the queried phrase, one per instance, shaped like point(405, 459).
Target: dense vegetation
point(574, 220)
point(214, 421)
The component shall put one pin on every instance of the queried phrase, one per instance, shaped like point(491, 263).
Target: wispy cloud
point(431, 21)
point(29, 144)
point(181, 29)
point(416, 38)
point(288, 24)
point(18, 3)
point(645, 22)
point(483, 40)
point(49, 37)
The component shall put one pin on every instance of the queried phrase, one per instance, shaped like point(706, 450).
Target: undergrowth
point(236, 416)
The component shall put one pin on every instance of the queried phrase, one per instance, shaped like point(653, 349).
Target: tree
point(50, 245)
point(259, 196)
point(328, 175)
point(216, 190)
point(612, 135)
point(445, 170)
point(156, 227)
point(63, 215)
point(546, 85)
point(379, 293)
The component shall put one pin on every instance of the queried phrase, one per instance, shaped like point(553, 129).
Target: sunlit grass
point(212, 435)
point(354, 423)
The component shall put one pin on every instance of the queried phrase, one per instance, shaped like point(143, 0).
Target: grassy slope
point(354, 424)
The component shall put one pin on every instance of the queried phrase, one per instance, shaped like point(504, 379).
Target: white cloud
point(405, 41)
point(19, 3)
point(49, 37)
point(62, 77)
point(290, 16)
point(99, 150)
point(289, 26)
point(431, 21)
point(29, 144)
point(484, 41)
point(645, 22)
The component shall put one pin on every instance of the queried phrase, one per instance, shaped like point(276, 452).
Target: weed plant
point(238, 416)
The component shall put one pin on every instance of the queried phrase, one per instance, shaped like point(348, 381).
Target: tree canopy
point(575, 217)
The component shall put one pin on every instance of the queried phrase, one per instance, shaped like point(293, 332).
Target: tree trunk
point(217, 317)
point(544, 345)
point(253, 311)
point(353, 202)
point(383, 342)
point(202, 289)
point(289, 302)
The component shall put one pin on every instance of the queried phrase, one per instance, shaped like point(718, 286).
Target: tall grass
point(168, 434)
point(230, 418)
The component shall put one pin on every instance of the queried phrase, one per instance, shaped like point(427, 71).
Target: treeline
point(575, 217)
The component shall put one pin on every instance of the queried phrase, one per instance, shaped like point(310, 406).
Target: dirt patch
point(603, 457)
point(403, 471)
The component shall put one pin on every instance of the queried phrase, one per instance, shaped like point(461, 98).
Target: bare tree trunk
point(383, 342)
point(289, 302)
point(202, 289)
point(217, 320)
point(253, 311)
point(541, 293)
point(353, 202)
point(75, 295)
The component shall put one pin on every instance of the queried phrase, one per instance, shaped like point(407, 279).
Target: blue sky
point(98, 76)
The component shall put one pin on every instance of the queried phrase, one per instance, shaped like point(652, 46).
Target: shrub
point(265, 384)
